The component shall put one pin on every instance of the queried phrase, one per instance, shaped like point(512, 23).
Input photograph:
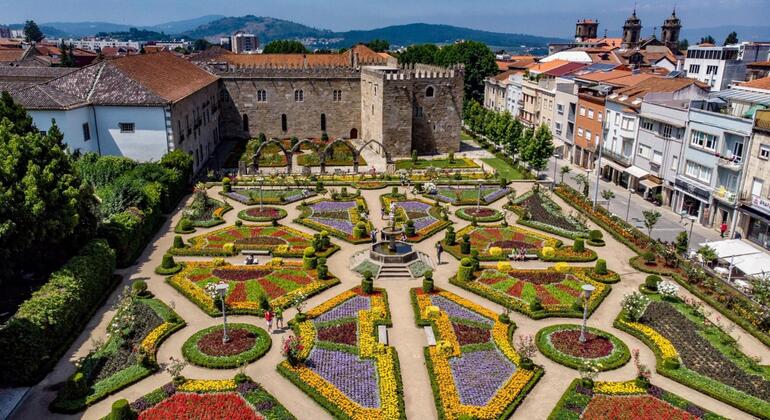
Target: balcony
point(623, 160)
point(734, 163)
point(725, 196)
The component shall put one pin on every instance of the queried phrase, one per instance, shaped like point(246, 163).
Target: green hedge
point(194, 355)
point(619, 356)
point(46, 324)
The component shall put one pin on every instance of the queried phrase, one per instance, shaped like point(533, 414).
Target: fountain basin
point(403, 253)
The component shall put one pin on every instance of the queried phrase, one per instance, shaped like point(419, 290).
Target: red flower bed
point(240, 275)
point(228, 406)
point(273, 290)
point(511, 244)
point(470, 335)
point(539, 276)
point(480, 212)
point(240, 341)
point(342, 333)
point(603, 407)
point(238, 294)
point(566, 341)
point(516, 289)
point(267, 212)
point(546, 298)
point(261, 240)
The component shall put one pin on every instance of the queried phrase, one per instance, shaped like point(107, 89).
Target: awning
point(650, 183)
point(636, 172)
point(613, 165)
point(732, 248)
point(752, 264)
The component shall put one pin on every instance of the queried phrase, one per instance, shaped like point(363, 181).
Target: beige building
point(755, 199)
point(496, 91)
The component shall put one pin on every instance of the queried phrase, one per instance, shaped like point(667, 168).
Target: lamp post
point(692, 223)
point(555, 165)
point(261, 199)
point(598, 173)
point(221, 289)
point(587, 290)
point(478, 200)
point(628, 206)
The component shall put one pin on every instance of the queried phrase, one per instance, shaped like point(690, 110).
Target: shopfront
point(757, 226)
point(692, 200)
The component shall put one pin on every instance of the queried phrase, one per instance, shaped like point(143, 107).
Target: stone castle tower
point(585, 29)
point(632, 31)
point(670, 31)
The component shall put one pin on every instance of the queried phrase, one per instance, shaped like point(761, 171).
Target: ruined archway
point(258, 153)
point(330, 148)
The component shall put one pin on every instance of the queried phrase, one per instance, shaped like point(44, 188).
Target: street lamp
point(587, 290)
point(598, 173)
point(555, 165)
point(478, 200)
point(221, 289)
point(628, 206)
point(692, 223)
point(261, 199)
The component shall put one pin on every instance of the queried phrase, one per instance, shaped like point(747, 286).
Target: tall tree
point(512, 134)
point(285, 46)
point(32, 32)
point(16, 115)
point(651, 218)
point(479, 62)
point(732, 38)
point(524, 142)
point(683, 45)
point(420, 53)
point(541, 149)
point(201, 45)
point(708, 39)
point(67, 56)
point(378, 45)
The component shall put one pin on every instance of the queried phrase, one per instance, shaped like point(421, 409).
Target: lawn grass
point(436, 163)
point(504, 169)
point(465, 136)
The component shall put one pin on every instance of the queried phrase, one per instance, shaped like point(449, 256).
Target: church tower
point(586, 29)
point(670, 31)
point(632, 31)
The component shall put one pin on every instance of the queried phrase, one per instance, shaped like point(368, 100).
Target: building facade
point(243, 43)
point(755, 199)
point(721, 66)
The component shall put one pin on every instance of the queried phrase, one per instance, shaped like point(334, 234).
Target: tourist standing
point(439, 250)
point(278, 318)
point(722, 229)
point(374, 235)
point(269, 320)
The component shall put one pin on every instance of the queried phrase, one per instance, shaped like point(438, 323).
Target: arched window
point(245, 123)
point(299, 95)
point(429, 92)
point(323, 122)
point(261, 95)
point(284, 123)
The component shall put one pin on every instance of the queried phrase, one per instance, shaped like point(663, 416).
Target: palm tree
point(608, 195)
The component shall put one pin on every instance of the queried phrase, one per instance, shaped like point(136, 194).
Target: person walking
point(374, 235)
point(723, 229)
point(269, 320)
point(278, 318)
point(439, 250)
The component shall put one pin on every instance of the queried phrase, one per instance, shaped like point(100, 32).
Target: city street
point(669, 225)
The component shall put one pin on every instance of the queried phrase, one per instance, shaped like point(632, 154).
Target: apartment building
point(496, 91)
point(721, 66)
point(755, 198)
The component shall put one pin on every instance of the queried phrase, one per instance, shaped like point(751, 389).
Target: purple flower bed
point(456, 311)
point(238, 197)
point(479, 375)
point(423, 222)
point(347, 309)
point(341, 225)
point(356, 378)
point(494, 195)
point(332, 206)
point(413, 206)
point(328, 211)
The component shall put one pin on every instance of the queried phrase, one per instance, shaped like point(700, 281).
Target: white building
point(139, 106)
point(720, 66)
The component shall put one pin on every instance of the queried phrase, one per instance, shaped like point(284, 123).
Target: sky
point(538, 17)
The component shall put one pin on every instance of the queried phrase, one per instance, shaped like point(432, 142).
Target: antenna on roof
point(605, 33)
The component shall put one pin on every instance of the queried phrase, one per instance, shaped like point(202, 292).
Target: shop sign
point(760, 203)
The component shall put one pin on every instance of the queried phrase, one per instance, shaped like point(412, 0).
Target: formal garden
point(152, 295)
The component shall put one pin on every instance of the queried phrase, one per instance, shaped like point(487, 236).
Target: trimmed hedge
point(45, 325)
point(194, 355)
point(617, 358)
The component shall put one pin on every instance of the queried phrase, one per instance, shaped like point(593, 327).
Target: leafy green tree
point(608, 195)
point(681, 242)
point(582, 181)
point(732, 38)
point(67, 55)
point(564, 171)
point(32, 32)
point(708, 39)
point(651, 218)
point(524, 142)
point(285, 46)
point(540, 149)
point(479, 62)
point(201, 45)
point(378, 45)
point(420, 53)
point(511, 137)
point(21, 121)
point(683, 45)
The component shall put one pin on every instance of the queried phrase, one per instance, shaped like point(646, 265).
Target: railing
point(623, 160)
point(733, 164)
point(726, 196)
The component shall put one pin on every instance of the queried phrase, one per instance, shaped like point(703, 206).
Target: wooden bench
point(429, 335)
point(255, 252)
point(527, 257)
point(382, 334)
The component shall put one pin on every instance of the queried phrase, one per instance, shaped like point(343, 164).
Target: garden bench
point(429, 335)
point(256, 252)
point(382, 334)
point(527, 257)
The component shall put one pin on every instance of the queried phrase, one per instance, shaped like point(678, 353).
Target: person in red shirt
point(723, 229)
point(269, 320)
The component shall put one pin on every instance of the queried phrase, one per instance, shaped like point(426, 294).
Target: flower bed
point(344, 368)
point(473, 367)
point(281, 241)
point(691, 350)
point(537, 293)
point(536, 210)
point(482, 214)
point(624, 400)
point(262, 214)
point(246, 344)
point(252, 196)
point(507, 238)
point(465, 196)
point(735, 306)
point(122, 360)
point(203, 211)
point(338, 217)
point(281, 284)
point(561, 344)
point(436, 163)
point(427, 218)
point(210, 399)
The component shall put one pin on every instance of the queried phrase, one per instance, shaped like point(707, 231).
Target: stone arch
point(245, 118)
point(353, 133)
point(382, 146)
point(258, 153)
point(330, 147)
point(430, 91)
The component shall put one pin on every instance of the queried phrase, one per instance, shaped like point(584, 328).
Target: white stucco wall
point(147, 142)
point(71, 125)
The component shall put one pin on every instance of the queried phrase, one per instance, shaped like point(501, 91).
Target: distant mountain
point(182, 25)
point(267, 28)
point(422, 33)
point(81, 29)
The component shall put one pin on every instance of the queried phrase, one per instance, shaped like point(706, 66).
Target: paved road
point(667, 228)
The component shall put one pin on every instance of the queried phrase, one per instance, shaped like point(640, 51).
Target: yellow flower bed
point(366, 340)
point(207, 385)
point(504, 266)
point(388, 383)
point(667, 349)
point(218, 212)
point(151, 341)
point(618, 388)
point(195, 293)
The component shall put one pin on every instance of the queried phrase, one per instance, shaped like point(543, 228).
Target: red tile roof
point(8, 55)
point(169, 76)
point(364, 53)
point(763, 83)
point(565, 69)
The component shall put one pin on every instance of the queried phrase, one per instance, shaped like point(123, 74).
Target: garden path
point(405, 336)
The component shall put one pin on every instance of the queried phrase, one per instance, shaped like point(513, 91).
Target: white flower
point(668, 289)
